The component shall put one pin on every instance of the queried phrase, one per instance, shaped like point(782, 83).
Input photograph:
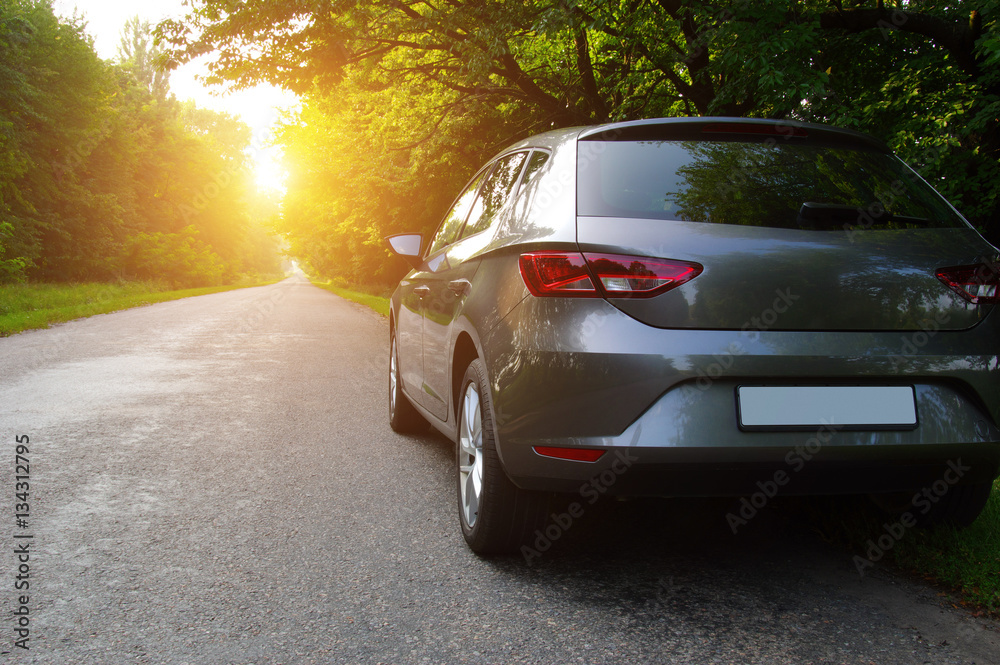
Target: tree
point(16, 112)
point(139, 53)
point(921, 76)
point(905, 71)
point(11, 269)
point(95, 170)
point(354, 158)
point(179, 258)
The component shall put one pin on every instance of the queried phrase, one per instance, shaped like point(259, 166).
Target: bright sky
point(260, 107)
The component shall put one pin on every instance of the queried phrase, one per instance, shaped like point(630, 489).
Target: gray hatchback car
point(700, 307)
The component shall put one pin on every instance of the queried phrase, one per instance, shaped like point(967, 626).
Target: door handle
point(422, 291)
point(460, 286)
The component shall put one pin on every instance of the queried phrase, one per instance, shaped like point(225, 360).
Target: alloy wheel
point(470, 466)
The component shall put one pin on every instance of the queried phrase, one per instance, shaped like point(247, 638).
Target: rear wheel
point(403, 418)
point(958, 507)
point(497, 516)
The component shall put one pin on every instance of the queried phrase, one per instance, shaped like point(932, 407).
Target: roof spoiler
point(733, 129)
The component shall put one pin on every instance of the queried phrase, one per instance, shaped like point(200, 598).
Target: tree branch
point(956, 36)
point(586, 68)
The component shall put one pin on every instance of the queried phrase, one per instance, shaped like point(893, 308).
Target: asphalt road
point(213, 480)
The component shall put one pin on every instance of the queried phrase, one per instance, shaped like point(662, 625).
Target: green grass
point(967, 560)
point(367, 296)
point(31, 306)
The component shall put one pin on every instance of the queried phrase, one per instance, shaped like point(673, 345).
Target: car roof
point(707, 128)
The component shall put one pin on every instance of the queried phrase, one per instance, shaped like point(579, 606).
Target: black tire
point(403, 417)
point(497, 517)
point(958, 507)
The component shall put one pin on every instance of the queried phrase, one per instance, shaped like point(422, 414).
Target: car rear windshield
point(756, 184)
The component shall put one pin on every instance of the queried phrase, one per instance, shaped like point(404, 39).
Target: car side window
point(535, 164)
point(452, 224)
point(495, 193)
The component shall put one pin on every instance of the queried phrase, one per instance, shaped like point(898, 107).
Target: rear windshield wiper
point(829, 216)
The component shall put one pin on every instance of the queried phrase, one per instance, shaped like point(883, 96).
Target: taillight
point(572, 454)
point(977, 284)
point(557, 274)
point(608, 275)
point(639, 277)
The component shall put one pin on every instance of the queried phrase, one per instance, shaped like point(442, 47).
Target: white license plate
point(847, 407)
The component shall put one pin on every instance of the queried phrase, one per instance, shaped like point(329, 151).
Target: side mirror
point(408, 246)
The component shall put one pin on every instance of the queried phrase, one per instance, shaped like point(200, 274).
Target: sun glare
point(269, 170)
point(260, 107)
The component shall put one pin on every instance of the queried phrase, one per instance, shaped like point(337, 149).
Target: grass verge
point(359, 294)
point(31, 306)
point(967, 560)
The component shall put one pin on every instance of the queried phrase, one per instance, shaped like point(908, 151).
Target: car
point(699, 307)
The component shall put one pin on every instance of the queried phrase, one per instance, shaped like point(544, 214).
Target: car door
point(450, 278)
point(415, 292)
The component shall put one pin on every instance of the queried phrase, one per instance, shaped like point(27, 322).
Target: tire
point(403, 417)
point(958, 507)
point(497, 517)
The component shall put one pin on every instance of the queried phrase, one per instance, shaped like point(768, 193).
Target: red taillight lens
point(977, 284)
point(557, 274)
point(572, 454)
point(574, 274)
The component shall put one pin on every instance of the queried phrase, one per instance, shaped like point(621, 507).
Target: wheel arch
point(465, 352)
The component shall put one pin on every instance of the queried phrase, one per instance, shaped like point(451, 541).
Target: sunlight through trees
point(102, 176)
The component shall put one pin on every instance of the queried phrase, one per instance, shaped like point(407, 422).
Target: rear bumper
point(662, 404)
point(693, 472)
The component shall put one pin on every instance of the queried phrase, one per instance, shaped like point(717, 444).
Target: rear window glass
point(755, 184)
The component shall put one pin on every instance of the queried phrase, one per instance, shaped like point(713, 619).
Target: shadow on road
point(696, 529)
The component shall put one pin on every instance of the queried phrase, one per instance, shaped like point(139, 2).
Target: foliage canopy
point(98, 167)
point(410, 89)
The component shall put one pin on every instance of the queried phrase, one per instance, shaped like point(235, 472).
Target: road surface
point(213, 480)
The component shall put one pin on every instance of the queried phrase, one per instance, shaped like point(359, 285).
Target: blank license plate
point(806, 407)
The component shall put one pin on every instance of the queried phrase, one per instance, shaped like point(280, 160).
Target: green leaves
point(140, 55)
point(95, 159)
point(373, 160)
point(404, 99)
point(179, 258)
point(11, 268)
